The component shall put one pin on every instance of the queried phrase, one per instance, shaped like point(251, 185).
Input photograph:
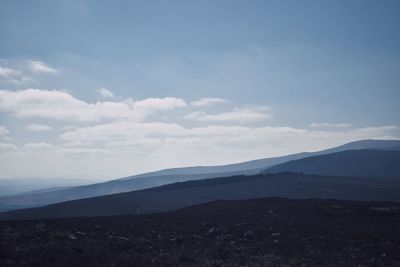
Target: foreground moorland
point(258, 232)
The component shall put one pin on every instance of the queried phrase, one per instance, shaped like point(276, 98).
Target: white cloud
point(105, 93)
point(285, 138)
point(385, 128)
point(159, 103)
point(208, 101)
point(15, 77)
point(8, 73)
point(40, 67)
point(39, 127)
point(321, 125)
point(59, 105)
point(121, 131)
point(238, 115)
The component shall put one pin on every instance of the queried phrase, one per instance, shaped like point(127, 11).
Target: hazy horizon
point(96, 90)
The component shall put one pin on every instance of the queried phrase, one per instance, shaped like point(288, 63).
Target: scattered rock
point(72, 237)
point(385, 209)
point(120, 237)
point(140, 239)
point(211, 230)
point(40, 226)
point(248, 234)
point(237, 235)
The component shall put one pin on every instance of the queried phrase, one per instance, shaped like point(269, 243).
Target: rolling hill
point(261, 164)
point(41, 198)
point(179, 195)
point(27, 185)
point(158, 178)
point(355, 163)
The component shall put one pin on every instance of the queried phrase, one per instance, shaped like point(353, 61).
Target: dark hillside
point(179, 195)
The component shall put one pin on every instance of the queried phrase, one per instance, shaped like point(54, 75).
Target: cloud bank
point(122, 136)
point(59, 105)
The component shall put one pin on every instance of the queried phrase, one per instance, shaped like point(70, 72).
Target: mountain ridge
point(355, 163)
point(153, 179)
point(179, 195)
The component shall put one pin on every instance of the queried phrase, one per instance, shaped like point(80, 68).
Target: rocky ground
point(261, 232)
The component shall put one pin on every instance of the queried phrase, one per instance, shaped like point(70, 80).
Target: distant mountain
point(23, 185)
point(175, 196)
point(246, 167)
point(268, 162)
point(367, 144)
point(355, 163)
point(162, 177)
point(45, 197)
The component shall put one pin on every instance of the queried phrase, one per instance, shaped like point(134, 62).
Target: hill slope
point(356, 163)
point(42, 198)
point(175, 196)
point(268, 162)
point(25, 185)
point(152, 179)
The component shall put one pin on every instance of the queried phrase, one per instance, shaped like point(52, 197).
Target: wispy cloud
point(103, 92)
point(238, 115)
point(39, 127)
point(153, 103)
point(208, 101)
point(4, 131)
point(8, 73)
point(40, 67)
point(15, 77)
point(321, 125)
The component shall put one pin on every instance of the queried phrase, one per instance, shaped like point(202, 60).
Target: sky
point(107, 89)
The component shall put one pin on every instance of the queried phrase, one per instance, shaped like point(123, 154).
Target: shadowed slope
point(174, 196)
point(356, 163)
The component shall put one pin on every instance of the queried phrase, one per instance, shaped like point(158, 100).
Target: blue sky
point(104, 89)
